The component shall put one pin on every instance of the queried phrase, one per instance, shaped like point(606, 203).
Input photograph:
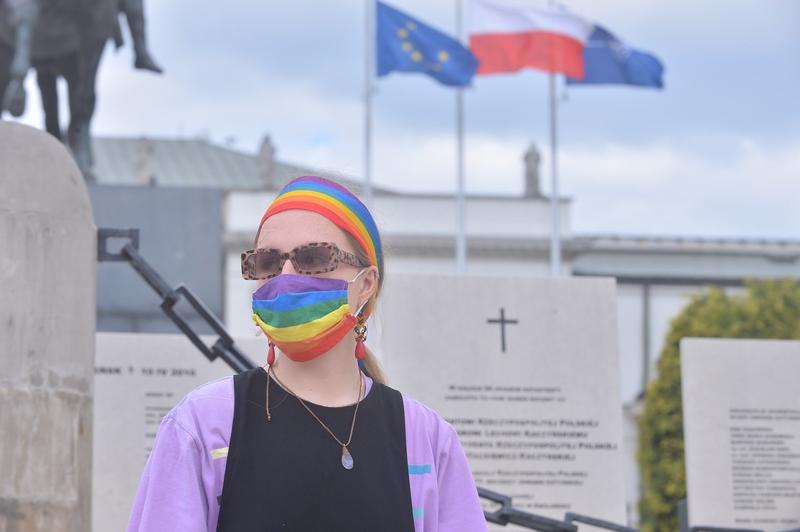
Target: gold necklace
point(347, 458)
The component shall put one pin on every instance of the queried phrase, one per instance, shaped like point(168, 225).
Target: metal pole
point(369, 36)
point(555, 234)
point(461, 231)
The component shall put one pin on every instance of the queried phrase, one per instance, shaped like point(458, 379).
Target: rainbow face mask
point(304, 316)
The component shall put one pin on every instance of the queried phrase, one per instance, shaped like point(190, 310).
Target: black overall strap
point(286, 475)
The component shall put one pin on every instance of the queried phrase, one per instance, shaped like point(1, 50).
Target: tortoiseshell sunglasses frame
point(337, 256)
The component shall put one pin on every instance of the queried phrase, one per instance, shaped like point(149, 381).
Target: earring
point(271, 354)
point(361, 336)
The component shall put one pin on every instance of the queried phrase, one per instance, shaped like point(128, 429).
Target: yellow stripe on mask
point(304, 331)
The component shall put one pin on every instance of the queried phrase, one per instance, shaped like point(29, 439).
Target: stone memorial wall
point(138, 379)
point(741, 415)
point(526, 370)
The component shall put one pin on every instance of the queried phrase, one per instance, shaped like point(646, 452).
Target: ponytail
point(373, 368)
point(371, 365)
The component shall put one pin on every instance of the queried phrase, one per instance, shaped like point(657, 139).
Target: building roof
point(670, 260)
point(194, 162)
point(776, 247)
point(197, 162)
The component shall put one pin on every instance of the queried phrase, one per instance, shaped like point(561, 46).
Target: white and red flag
point(506, 37)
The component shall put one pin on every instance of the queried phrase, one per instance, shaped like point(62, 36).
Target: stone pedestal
point(47, 322)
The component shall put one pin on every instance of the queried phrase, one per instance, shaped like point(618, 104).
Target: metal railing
point(223, 348)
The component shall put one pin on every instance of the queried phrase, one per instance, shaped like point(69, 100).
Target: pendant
point(347, 458)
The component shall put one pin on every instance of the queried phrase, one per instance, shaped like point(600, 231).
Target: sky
point(714, 154)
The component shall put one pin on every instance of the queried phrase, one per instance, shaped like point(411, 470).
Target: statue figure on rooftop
point(532, 159)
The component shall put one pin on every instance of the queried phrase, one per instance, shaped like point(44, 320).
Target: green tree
point(769, 309)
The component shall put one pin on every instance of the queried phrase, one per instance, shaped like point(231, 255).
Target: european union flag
point(609, 61)
point(407, 45)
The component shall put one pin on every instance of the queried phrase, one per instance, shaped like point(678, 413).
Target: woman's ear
point(369, 285)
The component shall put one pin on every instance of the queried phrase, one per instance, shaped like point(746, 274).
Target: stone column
point(48, 253)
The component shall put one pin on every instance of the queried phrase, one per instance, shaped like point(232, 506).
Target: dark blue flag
point(407, 45)
point(609, 61)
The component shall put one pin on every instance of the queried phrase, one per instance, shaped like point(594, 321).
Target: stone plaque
point(138, 379)
point(741, 416)
point(526, 369)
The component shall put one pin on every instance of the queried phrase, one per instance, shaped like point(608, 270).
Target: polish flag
point(507, 37)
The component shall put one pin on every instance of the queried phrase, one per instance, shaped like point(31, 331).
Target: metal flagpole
point(555, 233)
point(555, 236)
point(368, 92)
point(461, 237)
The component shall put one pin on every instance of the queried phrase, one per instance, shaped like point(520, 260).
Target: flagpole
point(461, 237)
point(369, 36)
point(555, 232)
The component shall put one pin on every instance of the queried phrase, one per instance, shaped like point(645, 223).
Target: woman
point(313, 440)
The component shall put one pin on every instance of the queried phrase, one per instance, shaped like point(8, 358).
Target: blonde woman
point(314, 440)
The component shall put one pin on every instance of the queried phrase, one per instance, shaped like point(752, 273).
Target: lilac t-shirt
point(185, 470)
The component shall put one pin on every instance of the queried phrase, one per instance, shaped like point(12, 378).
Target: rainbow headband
point(336, 203)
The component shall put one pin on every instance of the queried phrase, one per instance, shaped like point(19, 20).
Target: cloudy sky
point(717, 153)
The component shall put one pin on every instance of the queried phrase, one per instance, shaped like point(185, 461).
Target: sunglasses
point(308, 259)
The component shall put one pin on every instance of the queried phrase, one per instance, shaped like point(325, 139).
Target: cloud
point(673, 190)
point(661, 188)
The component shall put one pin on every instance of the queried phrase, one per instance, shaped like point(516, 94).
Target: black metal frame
point(571, 517)
point(507, 514)
point(223, 348)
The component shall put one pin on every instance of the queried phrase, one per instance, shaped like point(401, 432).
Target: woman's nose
point(288, 267)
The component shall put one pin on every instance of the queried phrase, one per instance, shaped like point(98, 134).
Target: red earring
point(271, 354)
point(361, 336)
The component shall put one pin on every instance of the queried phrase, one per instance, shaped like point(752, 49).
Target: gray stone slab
point(741, 416)
point(138, 379)
point(539, 420)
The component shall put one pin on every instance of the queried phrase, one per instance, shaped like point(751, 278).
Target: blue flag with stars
point(407, 45)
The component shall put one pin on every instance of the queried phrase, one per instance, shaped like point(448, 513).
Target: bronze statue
point(134, 14)
point(64, 39)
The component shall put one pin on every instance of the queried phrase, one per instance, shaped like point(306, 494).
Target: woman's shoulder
point(214, 391)
point(420, 410)
point(207, 409)
point(424, 421)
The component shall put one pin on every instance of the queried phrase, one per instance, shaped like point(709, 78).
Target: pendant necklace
point(347, 458)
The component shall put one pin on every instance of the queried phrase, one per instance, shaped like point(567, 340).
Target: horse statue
point(64, 38)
